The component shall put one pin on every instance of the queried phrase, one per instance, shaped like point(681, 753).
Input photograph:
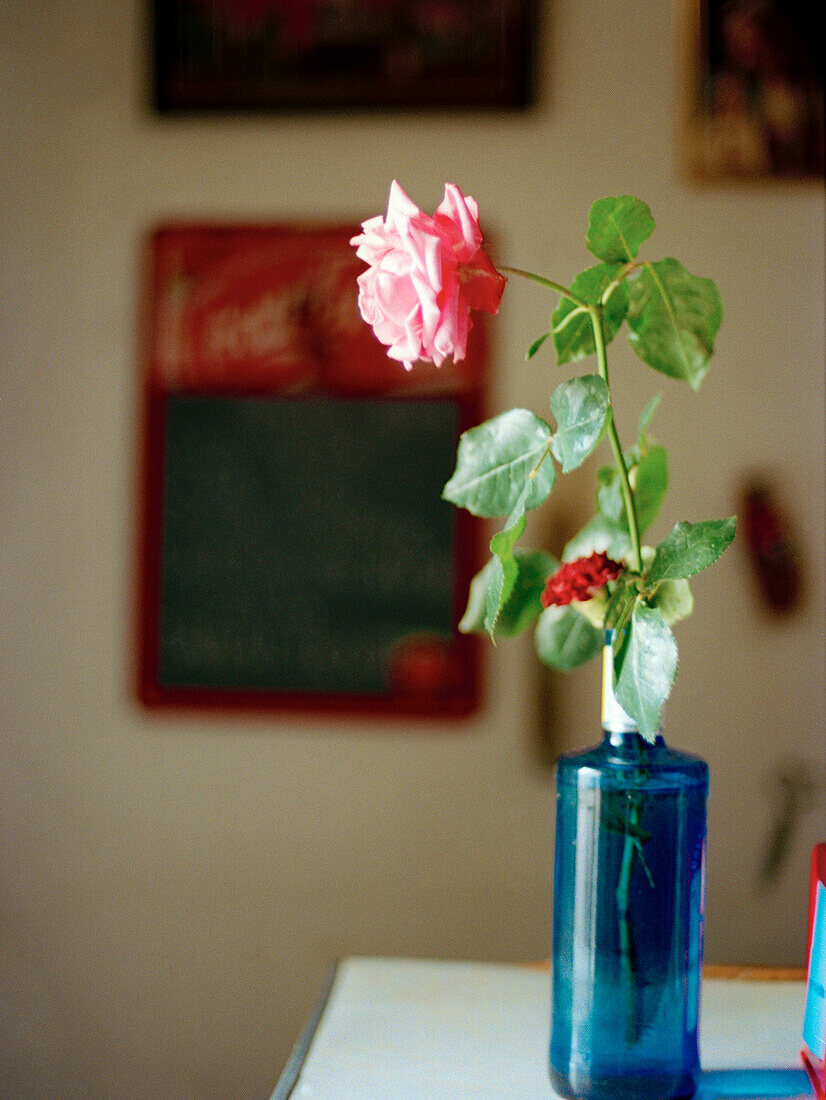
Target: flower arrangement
point(426, 275)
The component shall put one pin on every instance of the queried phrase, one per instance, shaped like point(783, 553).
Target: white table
point(405, 1029)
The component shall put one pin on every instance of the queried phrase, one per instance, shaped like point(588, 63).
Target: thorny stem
point(595, 312)
point(613, 437)
point(623, 893)
point(615, 282)
point(549, 284)
point(631, 847)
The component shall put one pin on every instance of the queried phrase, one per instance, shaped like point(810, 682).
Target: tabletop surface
point(407, 1029)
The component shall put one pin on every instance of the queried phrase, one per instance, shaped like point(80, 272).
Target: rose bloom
point(425, 276)
point(579, 580)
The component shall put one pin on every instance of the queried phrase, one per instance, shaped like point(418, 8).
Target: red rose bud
point(579, 580)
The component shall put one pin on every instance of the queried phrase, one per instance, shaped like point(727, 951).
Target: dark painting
point(291, 54)
point(759, 96)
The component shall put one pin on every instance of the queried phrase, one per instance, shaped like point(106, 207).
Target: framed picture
point(754, 90)
point(283, 55)
point(296, 552)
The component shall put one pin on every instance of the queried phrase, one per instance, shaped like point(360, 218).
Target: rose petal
point(425, 274)
point(463, 219)
point(399, 205)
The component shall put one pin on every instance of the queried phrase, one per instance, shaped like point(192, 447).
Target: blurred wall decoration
point(772, 549)
point(756, 90)
point(292, 557)
point(287, 54)
point(792, 788)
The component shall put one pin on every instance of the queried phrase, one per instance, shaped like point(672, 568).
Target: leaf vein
point(669, 307)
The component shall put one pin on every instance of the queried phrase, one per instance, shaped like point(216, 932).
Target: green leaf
point(673, 600)
point(473, 620)
point(607, 474)
point(524, 605)
point(646, 666)
point(565, 639)
point(536, 345)
point(595, 608)
point(649, 480)
point(620, 606)
point(504, 569)
point(673, 317)
point(691, 547)
point(627, 600)
point(599, 535)
point(609, 497)
point(571, 324)
point(617, 227)
point(581, 410)
point(646, 416)
point(495, 460)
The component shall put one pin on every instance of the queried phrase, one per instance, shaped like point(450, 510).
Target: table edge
point(292, 1070)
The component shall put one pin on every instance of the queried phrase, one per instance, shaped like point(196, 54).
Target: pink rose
point(425, 276)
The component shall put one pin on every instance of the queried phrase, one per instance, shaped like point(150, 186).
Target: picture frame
point(296, 553)
point(753, 91)
point(338, 55)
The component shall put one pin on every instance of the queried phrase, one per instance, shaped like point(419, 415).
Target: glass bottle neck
point(620, 729)
point(615, 722)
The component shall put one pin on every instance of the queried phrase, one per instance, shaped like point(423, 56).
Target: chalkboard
point(297, 552)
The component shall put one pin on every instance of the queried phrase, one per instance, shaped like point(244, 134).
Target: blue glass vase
point(628, 916)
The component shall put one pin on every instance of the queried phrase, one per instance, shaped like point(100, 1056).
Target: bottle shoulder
point(631, 762)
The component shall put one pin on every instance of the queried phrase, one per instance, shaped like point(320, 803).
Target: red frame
point(263, 310)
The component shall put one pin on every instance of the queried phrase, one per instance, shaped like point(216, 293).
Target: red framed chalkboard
point(295, 550)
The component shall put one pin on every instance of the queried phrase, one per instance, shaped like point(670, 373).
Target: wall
point(175, 887)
